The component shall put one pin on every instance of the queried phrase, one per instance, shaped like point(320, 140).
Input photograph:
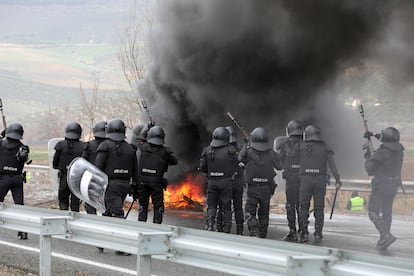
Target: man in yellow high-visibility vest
point(356, 203)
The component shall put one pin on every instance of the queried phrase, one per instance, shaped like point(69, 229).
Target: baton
point(334, 201)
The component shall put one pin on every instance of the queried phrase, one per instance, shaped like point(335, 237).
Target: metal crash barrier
point(233, 254)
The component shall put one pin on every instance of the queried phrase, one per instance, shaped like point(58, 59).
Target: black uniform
point(118, 160)
point(65, 151)
point(289, 152)
point(13, 155)
point(385, 165)
point(154, 161)
point(218, 164)
point(315, 157)
point(260, 163)
point(89, 153)
point(236, 196)
point(259, 175)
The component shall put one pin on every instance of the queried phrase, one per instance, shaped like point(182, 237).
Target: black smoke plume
point(266, 62)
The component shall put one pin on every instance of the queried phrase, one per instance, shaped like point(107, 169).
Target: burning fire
point(187, 194)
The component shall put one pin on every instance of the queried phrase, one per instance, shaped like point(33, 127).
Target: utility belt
point(10, 174)
point(264, 182)
point(153, 179)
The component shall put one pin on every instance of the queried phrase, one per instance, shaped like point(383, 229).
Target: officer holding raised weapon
point(385, 165)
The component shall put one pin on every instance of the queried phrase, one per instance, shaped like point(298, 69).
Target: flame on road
point(186, 194)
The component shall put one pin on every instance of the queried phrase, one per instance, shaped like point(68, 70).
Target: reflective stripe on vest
point(357, 203)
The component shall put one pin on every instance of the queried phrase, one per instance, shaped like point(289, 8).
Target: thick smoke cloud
point(266, 62)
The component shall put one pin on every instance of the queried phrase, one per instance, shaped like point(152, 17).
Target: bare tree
point(134, 54)
point(89, 105)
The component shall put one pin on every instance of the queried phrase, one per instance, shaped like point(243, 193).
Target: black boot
point(239, 229)
point(292, 236)
point(385, 241)
point(209, 224)
point(220, 227)
point(22, 235)
point(120, 253)
point(318, 238)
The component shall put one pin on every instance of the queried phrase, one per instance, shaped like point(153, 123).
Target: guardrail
point(233, 254)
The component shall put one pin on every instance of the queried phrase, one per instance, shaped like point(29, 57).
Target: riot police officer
point(117, 159)
point(65, 151)
point(13, 156)
point(315, 157)
point(289, 152)
point(237, 190)
point(218, 161)
point(260, 162)
point(90, 150)
point(154, 160)
point(385, 165)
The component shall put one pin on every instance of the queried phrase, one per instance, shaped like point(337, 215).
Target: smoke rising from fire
point(266, 62)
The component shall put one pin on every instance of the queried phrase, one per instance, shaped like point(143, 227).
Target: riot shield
point(54, 181)
point(87, 182)
point(278, 141)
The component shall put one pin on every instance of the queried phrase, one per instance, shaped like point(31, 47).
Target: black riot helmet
point(115, 130)
point(259, 139)
point(156, 136)
point(294, 127)
point(137, 133)
point(390, 135)
point(312, 133)
point(14, 131)
point(99, 130)
point(221, 137)
point(73, 131)
point(233, 134)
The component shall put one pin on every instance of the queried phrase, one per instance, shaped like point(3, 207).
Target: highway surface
point(346, 232)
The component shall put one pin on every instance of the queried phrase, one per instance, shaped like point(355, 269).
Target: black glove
point(367, 154)
point(368, 134)
point(3, 133)
point(164, 184)
point(133, 190)
point(338, 184)
point(273, 187)
point(151, 124)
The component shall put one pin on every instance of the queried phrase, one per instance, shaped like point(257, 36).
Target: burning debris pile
point(188, 194)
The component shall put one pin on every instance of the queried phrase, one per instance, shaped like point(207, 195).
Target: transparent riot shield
point(54, 181)
point(87, 182)
point(281, 183)
point(277, 142)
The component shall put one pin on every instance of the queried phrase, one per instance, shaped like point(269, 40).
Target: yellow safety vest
point(357, 203)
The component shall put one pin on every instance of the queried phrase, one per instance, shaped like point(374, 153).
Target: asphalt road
point(344, 232)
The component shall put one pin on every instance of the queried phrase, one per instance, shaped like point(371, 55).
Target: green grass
point(39, 157)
